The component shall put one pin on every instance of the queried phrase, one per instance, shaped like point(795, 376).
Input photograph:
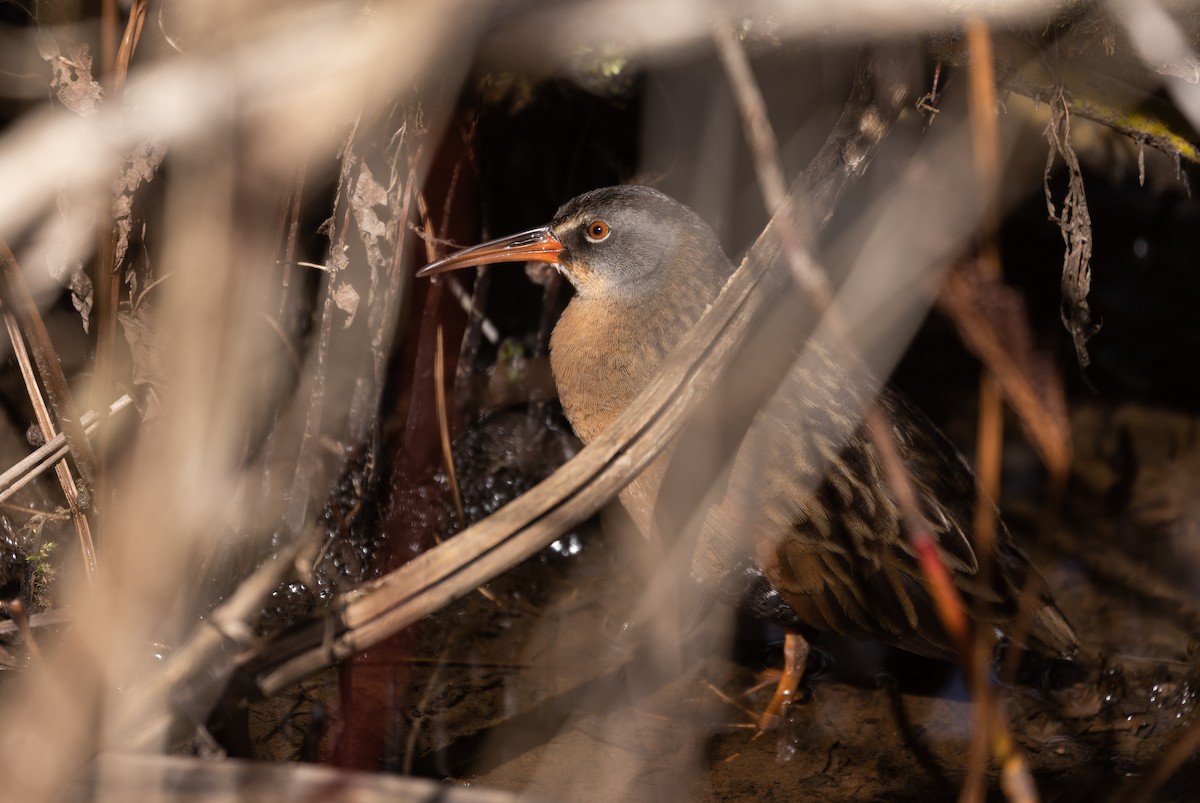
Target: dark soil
point(528, 685)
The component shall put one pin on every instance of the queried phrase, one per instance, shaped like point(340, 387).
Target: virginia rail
point(807, 533)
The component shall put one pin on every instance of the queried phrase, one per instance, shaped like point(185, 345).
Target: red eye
point(597, 230)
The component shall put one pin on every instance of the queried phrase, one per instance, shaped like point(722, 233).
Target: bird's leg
point(795, 654)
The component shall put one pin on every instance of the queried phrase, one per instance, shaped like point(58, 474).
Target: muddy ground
point(531, 686)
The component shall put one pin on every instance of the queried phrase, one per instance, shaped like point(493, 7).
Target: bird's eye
point(597, 230)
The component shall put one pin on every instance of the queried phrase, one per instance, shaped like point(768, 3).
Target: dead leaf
point(366, 195)
point(346, 299)
point(71, 75)
point(1075, 223)
point(69, 273)
point(138, 167)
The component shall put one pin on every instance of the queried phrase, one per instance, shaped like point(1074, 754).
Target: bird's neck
point(604, 352)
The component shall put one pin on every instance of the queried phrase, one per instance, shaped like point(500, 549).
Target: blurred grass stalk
point(253, 92)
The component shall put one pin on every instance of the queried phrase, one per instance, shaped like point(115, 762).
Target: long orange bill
point(535, 245)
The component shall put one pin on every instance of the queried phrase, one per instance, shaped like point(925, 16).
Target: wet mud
point(535, 684)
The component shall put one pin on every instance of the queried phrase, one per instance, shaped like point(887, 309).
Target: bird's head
point(614, 242)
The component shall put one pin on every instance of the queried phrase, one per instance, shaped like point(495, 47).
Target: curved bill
point(535, 245)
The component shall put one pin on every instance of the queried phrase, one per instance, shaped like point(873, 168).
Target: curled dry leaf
point(1075, 223)
point(70, 74)
point(138, 167)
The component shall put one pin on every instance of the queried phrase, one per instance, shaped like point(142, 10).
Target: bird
point(807, 533)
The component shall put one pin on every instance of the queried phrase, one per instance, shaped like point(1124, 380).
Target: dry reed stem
point(108, 273)
point(291, 223)
point(990, 321)
point(765, 149)
point(770, 180)
point(18, 299)
point(83, 530)
point(110, 15)
point(39, 460)
point(129, 42)
point(439, 378)
point(239, 110)
point(813, 280)
point(990, 728)
point(439, 394)
point(809, 276)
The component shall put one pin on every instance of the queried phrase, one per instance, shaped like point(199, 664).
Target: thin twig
point(301, 487)
point(292, 223)
point(810, 277)
point(463, 298)
point(109, 18)
point(431, 253)
point(396, 280)
point(212, 648)
point(990, 727)
point(985, 134)
point(129, 42)
point(467, 302)
point(70, 492)
point(986, 152)
point(18, 299)
point(553, 286)
point(725, 698)
point(137, 302)
point(987, 318)
point(45, 515)
point(765, 151)
point(478, 324)
point(477, 327)
point(439, 395)
point(419, 714)
point(768, 167)
point(108, 273)
point(285, 343)
point(49, 453)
